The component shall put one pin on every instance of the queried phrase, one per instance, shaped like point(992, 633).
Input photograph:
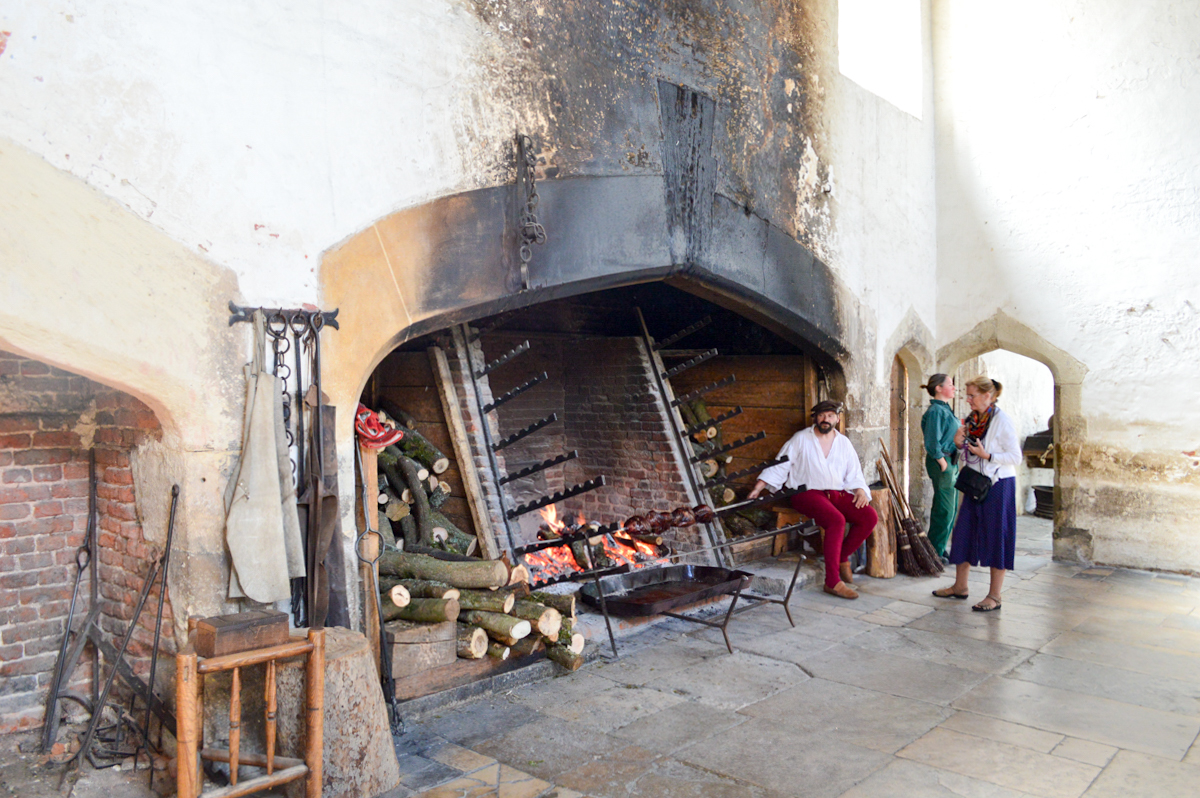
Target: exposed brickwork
point(49, 418)
point(603, 392)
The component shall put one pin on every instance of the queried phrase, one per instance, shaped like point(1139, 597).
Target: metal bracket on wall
point(328, 317)
point(530, 231)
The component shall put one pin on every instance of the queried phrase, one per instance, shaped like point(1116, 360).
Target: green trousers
point(945, 504)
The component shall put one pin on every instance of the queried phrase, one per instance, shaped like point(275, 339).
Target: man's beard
point(823, 427)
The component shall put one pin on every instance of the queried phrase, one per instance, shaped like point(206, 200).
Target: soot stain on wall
point(582, 76)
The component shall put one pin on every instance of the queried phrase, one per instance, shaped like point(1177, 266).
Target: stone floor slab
point(672, 779)
point(612, 708)
point(678, 725)
point(893, 674)
point(1100, 720)
point(1002, 764)
point(763, 754)
point(1136, 630)
point(496, 781)
point(906, 779)
point(1169, 695)
point(732, 681)
point(1003, 731)
point(549, 747)
point(1133, 657)
point(789, 646)
point(988, 627)
point(825, 709)
point(610, 776)
point(961, 652)
point(643, 664)
point(479, 720)
point(1085, 751)
point(1134, 774)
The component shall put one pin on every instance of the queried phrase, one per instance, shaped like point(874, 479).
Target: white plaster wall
point(1068, 180)
point(884, 244)
point(259, 133)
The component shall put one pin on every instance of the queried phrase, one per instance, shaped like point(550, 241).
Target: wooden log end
point(440, 465)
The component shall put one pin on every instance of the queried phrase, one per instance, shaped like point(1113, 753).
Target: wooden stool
point(784, 516)
point(189, 680)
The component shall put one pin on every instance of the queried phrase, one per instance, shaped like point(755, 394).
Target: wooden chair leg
point(235, 724)
point(314, 682)
point(187, 723)
point(270, 701)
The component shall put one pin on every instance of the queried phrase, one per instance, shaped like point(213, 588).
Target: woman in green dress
point(938, 426)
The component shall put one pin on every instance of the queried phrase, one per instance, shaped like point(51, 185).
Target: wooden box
point(418, 647)
point(229, 634)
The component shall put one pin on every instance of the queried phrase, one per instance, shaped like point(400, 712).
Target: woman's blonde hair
point(984, 385)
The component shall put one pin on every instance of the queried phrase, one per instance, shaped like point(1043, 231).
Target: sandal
point(948, 592)
point(980, 608)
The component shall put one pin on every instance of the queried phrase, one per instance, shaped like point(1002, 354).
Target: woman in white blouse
point(986, 532)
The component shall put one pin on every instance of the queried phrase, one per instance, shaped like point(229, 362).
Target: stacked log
point(485, 605)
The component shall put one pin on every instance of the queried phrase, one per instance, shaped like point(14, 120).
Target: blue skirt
point(986, 533)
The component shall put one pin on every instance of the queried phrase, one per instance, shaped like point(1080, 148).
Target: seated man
point(824, 460)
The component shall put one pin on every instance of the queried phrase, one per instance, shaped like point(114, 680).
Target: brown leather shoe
point(842, 590)
point(846, 574)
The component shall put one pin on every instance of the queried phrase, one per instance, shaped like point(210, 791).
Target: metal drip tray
point(652, 591)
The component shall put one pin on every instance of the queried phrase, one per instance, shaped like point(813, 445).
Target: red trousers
point(832, 509)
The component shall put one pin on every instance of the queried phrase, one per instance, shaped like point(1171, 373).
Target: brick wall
point(603, 392)
point(49, 419)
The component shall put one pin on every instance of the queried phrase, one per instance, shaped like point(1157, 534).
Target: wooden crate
point(419, 647)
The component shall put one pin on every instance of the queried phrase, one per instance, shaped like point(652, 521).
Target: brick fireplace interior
point(49, 420)
point(601, 385)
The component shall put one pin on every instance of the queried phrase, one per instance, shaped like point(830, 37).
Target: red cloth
point(372, 432)
point(831, 509)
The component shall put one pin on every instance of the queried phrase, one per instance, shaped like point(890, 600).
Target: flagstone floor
point(1086, 683)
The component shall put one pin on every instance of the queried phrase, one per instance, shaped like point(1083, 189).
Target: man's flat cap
point(827, 406)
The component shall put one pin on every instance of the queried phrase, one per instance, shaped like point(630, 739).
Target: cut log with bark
point(518, 575)
point(397, 414)
point(738, 526)
point(421, 610)
point(391, 609)
point(563, 602)
point(456, 540)
point(418, 447)
point(709, 468)
point(408, 531)
point(487, 600)
point(472, 642)
point(470, 573)
point(498, 624)
point(385, 529)
point(546, 620)
point(396, 592)
point(396, 508)
point(528, 646)
point(401, 470)
point(498, 650)
point(438, 496)
point(422, 588)
point(570, 639)
point(564, 657)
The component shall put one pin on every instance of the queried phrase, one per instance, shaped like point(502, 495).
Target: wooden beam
point(462, 452)
point(369, 574)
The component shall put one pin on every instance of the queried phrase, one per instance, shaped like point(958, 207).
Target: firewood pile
point(464, 607)
point(411, 494)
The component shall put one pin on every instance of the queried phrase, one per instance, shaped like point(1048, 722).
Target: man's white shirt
point(808, 465)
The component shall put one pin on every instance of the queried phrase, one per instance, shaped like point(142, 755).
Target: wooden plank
point(398, 632)
point(752, 394)
point(404, 369)
point(759, 368)
point(409, 659)
point(462, 450)
point(881, 546)
point(419, 401)
point(464, 671)
point(369, 574)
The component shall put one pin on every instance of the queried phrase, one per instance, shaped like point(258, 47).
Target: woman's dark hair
point(935, 382)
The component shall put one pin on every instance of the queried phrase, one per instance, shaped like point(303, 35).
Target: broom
point(905, 560)
point(923, 550)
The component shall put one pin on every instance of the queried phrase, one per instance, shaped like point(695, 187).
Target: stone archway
point(1001, 331)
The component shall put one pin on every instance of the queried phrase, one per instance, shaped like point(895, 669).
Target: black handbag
point(973, 485)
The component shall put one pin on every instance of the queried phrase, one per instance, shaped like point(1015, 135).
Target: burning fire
point(558, 561)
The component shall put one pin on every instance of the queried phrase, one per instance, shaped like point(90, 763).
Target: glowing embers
point(588, 547)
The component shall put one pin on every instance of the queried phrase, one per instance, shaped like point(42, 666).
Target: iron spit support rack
point(704, 454)
point(554, 498)
point(515, 392)
point(288, 315)
point(532, 428)
point(696, 394)
point(542, 466)
point(519, 349)
point(745, 472)
point(565, 540)
point(477, 332)
point(692, 430)
point(684, 333)
point(580, 576)
point(696, 361)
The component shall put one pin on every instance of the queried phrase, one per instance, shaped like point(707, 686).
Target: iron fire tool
point(65, 665)
point(395, 722)
point(159, 567)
